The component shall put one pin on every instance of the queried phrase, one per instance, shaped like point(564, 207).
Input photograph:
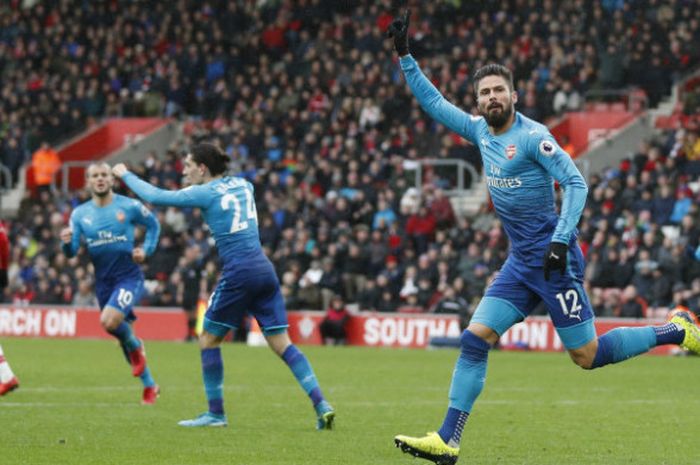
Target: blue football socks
point(146, 378)
point(669, 333)
point(467, 382)
point(129, 342)
point(301, 368)
point(622, 343)
point(451, 430)
point(126, 336)
point(213, 375)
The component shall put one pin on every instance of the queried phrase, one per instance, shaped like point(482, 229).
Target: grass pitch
point(78, 404)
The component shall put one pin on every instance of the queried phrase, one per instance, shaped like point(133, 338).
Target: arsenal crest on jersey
point(120, 216)
point(510, 151)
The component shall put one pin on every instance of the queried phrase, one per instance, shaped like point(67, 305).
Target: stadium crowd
point(288, 71)
point(308, 102)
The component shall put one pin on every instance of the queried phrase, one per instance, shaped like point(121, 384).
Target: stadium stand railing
point(6, 178)
point(462, 186)
point(5, 182)
point(62, 176)
point(610, 100)
point(678, 116)
point(466, 196)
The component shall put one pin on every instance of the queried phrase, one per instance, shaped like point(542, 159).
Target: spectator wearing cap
point(393, 274)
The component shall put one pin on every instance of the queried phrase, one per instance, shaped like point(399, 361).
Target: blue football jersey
point(519, 167)
point(228, 207)
point(108, 234)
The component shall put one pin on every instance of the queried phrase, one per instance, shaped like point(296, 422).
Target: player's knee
point(582, 359)
point(584, 362)
point(278, 342)
point(480, 331)
point(109, 323)
point(209, 341)
point(473, 343)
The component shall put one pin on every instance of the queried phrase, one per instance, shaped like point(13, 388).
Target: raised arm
point(433, 102)
point(193, 196)
point(428, 96)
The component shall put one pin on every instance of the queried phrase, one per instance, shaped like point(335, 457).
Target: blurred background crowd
point(307, 99)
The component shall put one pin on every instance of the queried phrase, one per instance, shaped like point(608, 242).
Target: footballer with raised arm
point(248, 282)
point(521, 160)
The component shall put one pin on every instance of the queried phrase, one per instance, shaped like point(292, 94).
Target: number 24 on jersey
point(229, 201)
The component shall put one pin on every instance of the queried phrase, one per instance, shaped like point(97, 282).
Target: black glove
point(398, 29)
point(555, 259)
point(3, 280)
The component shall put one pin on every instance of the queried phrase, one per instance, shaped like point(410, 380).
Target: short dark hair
point(210, 156)
point(493, 69)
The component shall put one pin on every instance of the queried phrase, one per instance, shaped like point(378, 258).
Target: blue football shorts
point(251, 289)
point(519, 288)
point(121, 296)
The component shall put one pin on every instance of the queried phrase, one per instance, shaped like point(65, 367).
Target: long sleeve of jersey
point(561, 167)
point(193, 196)
point(434, 103)
point(72, 248)
point(145, 217)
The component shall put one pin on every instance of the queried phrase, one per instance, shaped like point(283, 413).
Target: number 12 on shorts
point(568, 301)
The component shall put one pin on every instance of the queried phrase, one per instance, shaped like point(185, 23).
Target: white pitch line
point(563, 402)
point(69, 404)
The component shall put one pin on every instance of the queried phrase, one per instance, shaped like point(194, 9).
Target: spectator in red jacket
point(333, 325)
point(441, 207)
point(420, 227)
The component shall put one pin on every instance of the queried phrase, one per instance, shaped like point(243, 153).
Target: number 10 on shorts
point(125, 298)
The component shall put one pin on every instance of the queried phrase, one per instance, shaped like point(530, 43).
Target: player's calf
point(137, 360)
point(623, 343)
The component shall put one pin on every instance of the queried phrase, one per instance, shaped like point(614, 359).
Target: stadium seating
point(316, 116)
